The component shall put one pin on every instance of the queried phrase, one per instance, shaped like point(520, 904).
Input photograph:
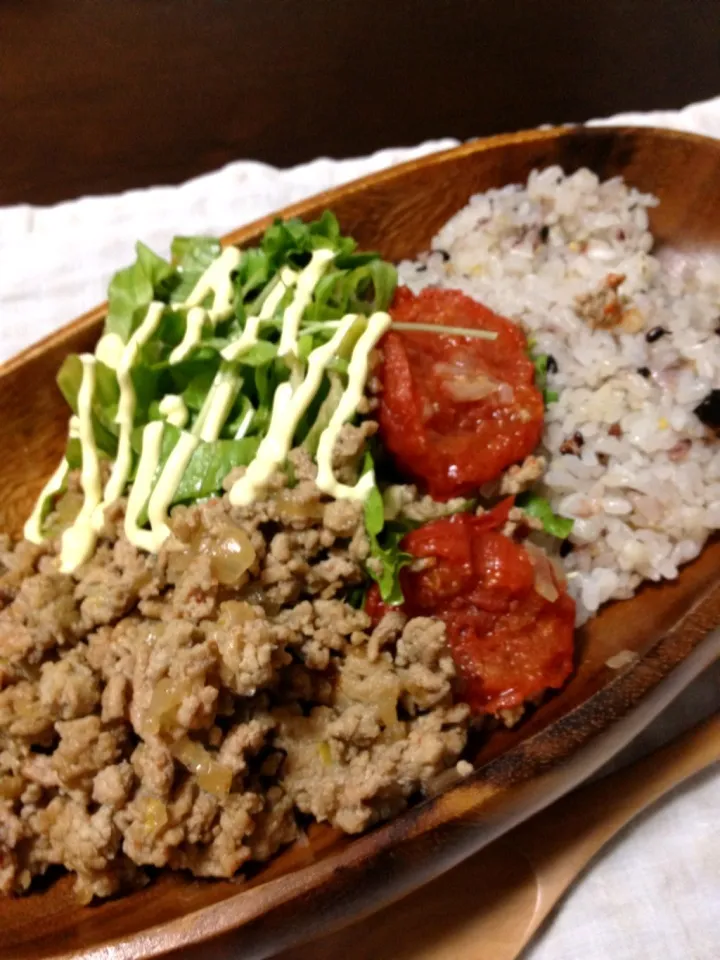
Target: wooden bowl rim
point(620, 704)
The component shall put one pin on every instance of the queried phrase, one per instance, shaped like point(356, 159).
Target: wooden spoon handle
point(562, 840)
point(491, 905)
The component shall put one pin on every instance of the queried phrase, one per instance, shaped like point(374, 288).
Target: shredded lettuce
point(105, 400)
point(323, 415)
point(208, 467)
point(354, 283)
point(210, 464)
point(132, 289)
point(538, 507)
point(193, 255)
point(385, 550)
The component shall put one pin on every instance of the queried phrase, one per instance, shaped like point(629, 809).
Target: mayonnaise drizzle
point(306, 283)
point(194, 323)
point(109, 349)
point(218, 403)
point(167, 484)
point(217, 280)
point(207, 428)
point(173, 409)
point(32, 530)
point(78, 540)
point(125, 416)
point(290, 402)
point(249, 337)
point(147, 467)
point(347, 406)
point(288, 407)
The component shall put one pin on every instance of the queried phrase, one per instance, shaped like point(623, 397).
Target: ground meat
point(66, 833)
point(425, 667)
point(356, 761)
point(113, 785)
point(17, 563)
point(342, 517)
point(573, 444)
point(522, 476)
point(109, 590)
point(349, 448)
point(607, 309)
point(164, 711)
point(423, 509)
point(520, 524)
point(244, 741)
point(386, 632)
point(69, 688)
point(154, 766)
point(42, 616)
point(85, 748)
point(352, 784)
point(24, 716)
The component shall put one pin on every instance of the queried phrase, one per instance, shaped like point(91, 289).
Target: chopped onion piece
point(166, 698)
point(155, 815)
point(210, 775)
point(545, 583)
point(65, 512)
point(233, 556)
point(230, 551)
point(375, 686)
point(468, 389)
point(506, 394)
point(289, 506)
point(559, 569)
point(233, 613)
point(467, 383)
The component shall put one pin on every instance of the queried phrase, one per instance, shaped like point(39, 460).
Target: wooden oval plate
point(332, 879)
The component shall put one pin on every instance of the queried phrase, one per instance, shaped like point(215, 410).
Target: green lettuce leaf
point(105, 399)
point(263, 352)
point(209, 466)
point(132, 289)
point(323, 415)
point(364, 290)
point(385, 550)
point(191, 256)
point(194, 254)
point(538, 507)
point(355, 283)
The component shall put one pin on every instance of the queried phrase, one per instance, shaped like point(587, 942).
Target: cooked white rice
point(645, 501)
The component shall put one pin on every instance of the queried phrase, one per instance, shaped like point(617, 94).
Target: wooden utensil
point(307, 889)
point(493, 904)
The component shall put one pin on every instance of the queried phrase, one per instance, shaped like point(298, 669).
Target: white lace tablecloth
point(655, 893)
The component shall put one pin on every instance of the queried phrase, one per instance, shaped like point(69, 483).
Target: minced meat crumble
point(156, 710)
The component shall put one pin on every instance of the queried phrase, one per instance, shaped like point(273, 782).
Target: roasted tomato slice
point(456, 411)
point(510, 621)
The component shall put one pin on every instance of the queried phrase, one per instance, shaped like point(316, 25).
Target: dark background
point(102, 95)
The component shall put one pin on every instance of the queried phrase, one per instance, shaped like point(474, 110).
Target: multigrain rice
point(572, 259)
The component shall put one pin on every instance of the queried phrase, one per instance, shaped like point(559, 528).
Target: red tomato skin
point(509, 643)
point(453, 446)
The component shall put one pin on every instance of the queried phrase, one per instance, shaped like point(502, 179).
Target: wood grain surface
point(106, 95)
point(314, 887)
